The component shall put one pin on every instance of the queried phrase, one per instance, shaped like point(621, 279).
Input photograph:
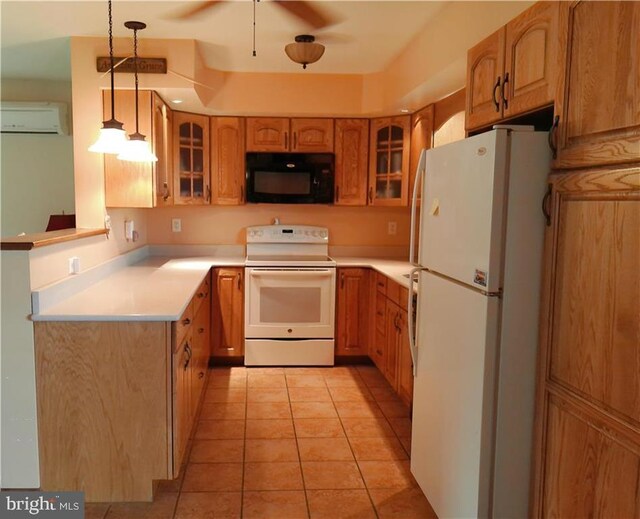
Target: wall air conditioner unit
point(34, 117)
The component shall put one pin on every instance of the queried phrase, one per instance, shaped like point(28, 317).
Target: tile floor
point(288, 443)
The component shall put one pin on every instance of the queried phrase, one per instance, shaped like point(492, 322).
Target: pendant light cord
point(113, 105)
point(135, 70)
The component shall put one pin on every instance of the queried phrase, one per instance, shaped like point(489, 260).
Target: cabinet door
point(392, 317)
point(389, 161)
point(267, 134)
point(191, 159)
point(162, 147)
point(228, 312)
point(377, 328)
point(405, 363)
point(129, 184)
point(531, 59)
point(421, 138)
point(227, 160)
point(352, 155)
point(201, 334)
point(598, 100)
point(353, 311)
point(312, 135)
point(181, 402)
point(485, 64)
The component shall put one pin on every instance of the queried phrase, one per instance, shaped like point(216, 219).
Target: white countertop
point(160, 288)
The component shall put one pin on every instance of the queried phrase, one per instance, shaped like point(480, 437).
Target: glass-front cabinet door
point(389, 161)
point(191, 141)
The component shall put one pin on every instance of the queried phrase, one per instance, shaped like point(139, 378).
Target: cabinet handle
point(503, 89)
point(337, 193)
point(370, 195)
point(546, 205)
point(553, 133)
point(342, 280)
point(286, 140)
point(186, 322)
point(200, 330)
point(208, 193)
point(242, 193)
point(495, 99)
point(295, 140)
point(200, 295)
point(165, 196)
point(201, 374)
point(187, 350)
point(239, 279)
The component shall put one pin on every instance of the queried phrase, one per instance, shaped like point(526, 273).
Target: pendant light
point(112, 137)
point(305, 50)
point(136, 149)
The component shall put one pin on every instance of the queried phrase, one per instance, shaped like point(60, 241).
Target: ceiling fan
point(301, 9)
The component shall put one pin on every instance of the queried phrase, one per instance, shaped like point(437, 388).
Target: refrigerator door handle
point(413, 347)
point(414, 203)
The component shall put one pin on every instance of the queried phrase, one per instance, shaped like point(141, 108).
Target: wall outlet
point(392, 228)
point(176, 225)
point(74, 265)
point(129, 230)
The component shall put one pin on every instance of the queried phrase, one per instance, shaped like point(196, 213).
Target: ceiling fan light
point(304, 50)
point(111, 139)
point(137, 149)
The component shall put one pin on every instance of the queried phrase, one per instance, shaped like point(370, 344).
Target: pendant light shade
point(112, 136)
point(305, 50)
point(136, 149)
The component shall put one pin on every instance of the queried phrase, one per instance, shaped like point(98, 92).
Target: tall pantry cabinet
point(587, 455)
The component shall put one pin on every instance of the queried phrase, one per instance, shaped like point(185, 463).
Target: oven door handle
point(292, 273)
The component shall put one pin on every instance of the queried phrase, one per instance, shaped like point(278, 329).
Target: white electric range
point(290, 286)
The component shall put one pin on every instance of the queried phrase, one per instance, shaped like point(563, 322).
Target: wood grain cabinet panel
point(598, 100)
point(191, 159)
point(352, 312)
point(393, 337)
point(227, 160)
point(405, 362)
point(162, 143)
point(351, 166)
point(267, 134)
point(312, 135)
point(228, 312)
point(422, 126)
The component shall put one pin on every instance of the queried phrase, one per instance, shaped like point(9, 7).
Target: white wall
point(36, 170)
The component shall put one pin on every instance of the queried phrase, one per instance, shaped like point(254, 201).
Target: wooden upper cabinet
point(351, 166)
point(598, 100)
point(485, 65)
point(531, 59)
point(227, 160)
point(312, 135)
point(191, 159)
point(228, 312)
point(389, 161)
point(163, 148)
point(267, 134)
point(352, 311)
point(422, 123)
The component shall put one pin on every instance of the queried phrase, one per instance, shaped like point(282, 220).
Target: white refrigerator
point(479, 272)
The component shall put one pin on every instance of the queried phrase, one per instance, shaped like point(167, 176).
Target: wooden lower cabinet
point(405, 362)
point(587, 452)
point(228, 312)
point(352, 311)
point(181, 405)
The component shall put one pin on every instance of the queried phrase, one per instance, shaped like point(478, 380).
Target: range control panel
point(287, 234)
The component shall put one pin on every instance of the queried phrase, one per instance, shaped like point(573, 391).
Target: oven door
point(289, 303)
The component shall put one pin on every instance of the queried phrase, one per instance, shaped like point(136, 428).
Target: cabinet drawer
point(379, 317)
point(381, 283)
point(202, 294)
point(182, 325)
point(393, 291)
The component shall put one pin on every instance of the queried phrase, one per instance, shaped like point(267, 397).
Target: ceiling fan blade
point(307, 13)
point(196, 9)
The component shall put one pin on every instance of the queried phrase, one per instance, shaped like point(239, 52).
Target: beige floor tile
point(273, 476)
point(343, 370)
point(213, 477)
point(340, 504)
point(236, 382)
point(305, 381)
point(392, 409)
point(265, 429)
point(225, 394)
point(313, 410)
point(401, 426)
point(96, 510)
point(377, 449)
point(350, 394)
point(162, 507)
point(383, 393)
point(324, 449)
point(331, 475)
point(271, 450)
point(307, 371)
point(309, 394)
point(407, 503)
point(386, 474)
point(343, 381)
point(291, 504)
point(406, 443)
point(219, 430)
point(274, 370)
point(223, 411)
point(228, 371)
point(263, 394)
point(318, 428)
point(268, 410)
point(217, 451)
point(209, 505)
point(367, 427)
point(266, 380)
point(362, 409)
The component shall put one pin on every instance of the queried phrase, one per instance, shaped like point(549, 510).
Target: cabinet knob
point(200, 330)
point(503, 89)
point(239, 281)
point(495, 99)
point(201, 295)
point(370, 195)
point(186, 322)
point(201, 374)
point(553, 132)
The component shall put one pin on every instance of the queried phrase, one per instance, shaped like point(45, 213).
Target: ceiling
point(367, 36)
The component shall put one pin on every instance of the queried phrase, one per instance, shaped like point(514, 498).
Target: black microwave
point(290, 178)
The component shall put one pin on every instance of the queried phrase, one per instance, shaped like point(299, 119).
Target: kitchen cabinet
point(352, 161)
point(227, 160)
point(422, 127)
point(201, 341)
point(405, 362)
point(587, 449)
point(140, 184)
point(513, 71)
point(182, 401)
point(389, 161)
point(598, 99)
point(392, 348)
point(228, 312)
point(281, 134)
point(191, 159)
point(352, 311)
